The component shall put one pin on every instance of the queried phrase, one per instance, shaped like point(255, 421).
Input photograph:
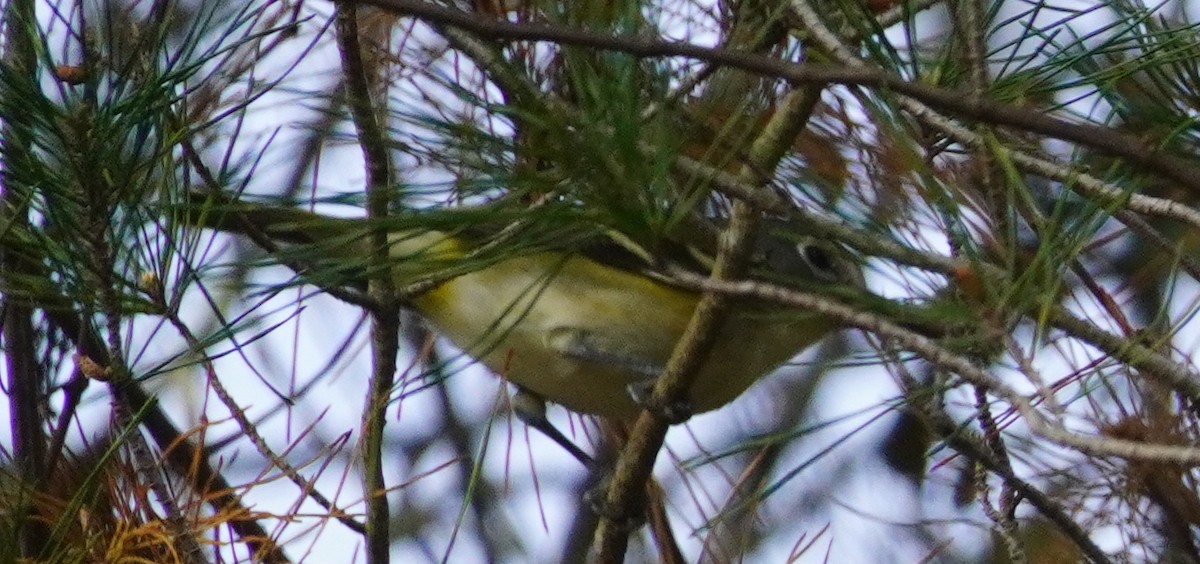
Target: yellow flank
point(578, 332)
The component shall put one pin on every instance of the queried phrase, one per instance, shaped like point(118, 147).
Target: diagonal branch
point(181, 453)
point(636, 462)
point(948, 360)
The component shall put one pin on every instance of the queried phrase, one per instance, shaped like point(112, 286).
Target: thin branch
point(1146, 156)
point(636, 462)
point(970, 444)
point(26, 380)
point(250, 430)
point(201, 206)
point(385, 326)
point(148, 470)
point(183, 456)
point(934, 353)
point(1149, 361)
point(1143, 229)
point(902, 10)
point(1087, 185)
point(771, 202)
point(1136, 355)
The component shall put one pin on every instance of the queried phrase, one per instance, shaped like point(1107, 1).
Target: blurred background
point(1018, 179)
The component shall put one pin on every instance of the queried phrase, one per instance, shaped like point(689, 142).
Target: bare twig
point(636, 462)
point(385, 327)
point(947, 360)
point(250, 430)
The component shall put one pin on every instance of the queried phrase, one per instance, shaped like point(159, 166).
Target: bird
point(579, 326)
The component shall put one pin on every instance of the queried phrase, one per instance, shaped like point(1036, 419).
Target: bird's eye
point(821, 261)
